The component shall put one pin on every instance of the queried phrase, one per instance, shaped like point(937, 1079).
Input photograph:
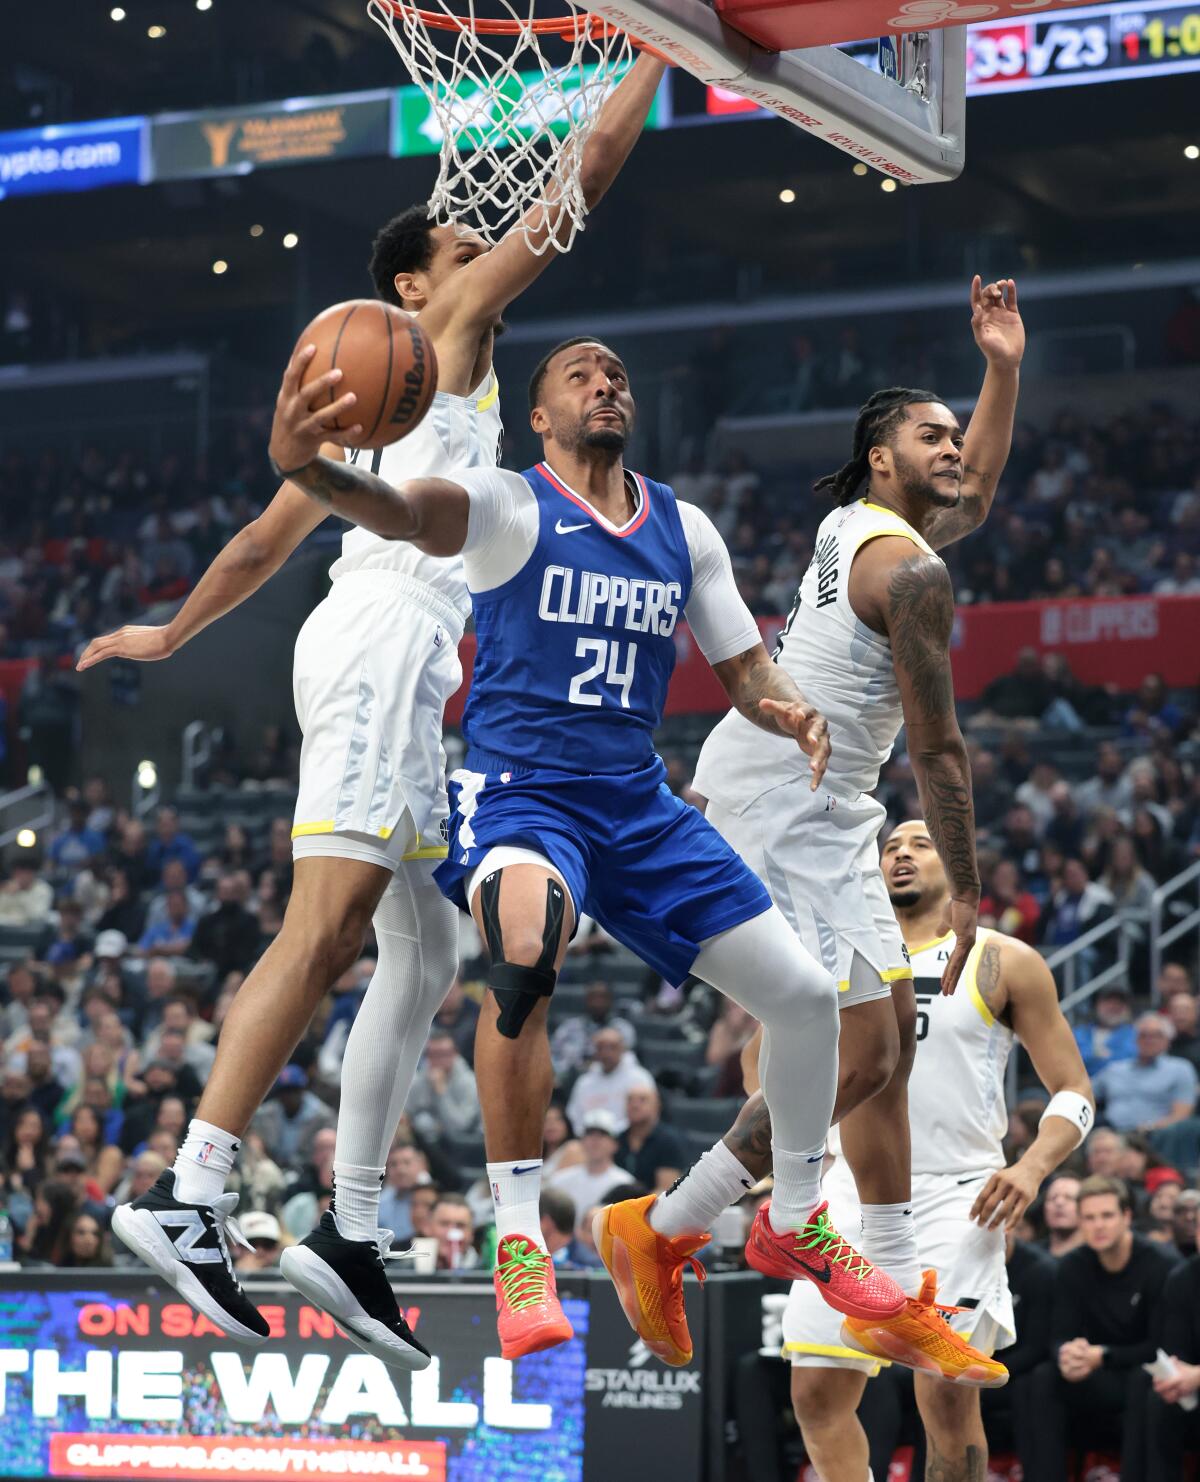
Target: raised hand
point(996, 322)
point(962, 918)
point(305, 417)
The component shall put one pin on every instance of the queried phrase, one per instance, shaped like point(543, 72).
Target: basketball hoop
point(513, 97)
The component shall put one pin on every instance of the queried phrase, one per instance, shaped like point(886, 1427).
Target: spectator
point(1187, 1212)
point(228, 935)
point(407, 1170)
point(589, 1181)
point(46, 1092)
point(86, 1242)
point(67, 941)
point(45, 1238)
point(132, 858)
point(1104, 1151)
point(1173, 978)
point(560, 1147)
point(452, 1226)
point(1066, 826)
point(457, 1017)
point(606, 1084)
point(1107, 1304)
point(649, 1150)
point(288, 1122)
point(21, 988)
point(1153, 716)
point(732, 1031)
point(179, 1015)
point(1008, 907)
point(991, 793)
point(1180, 1008)
point(557, 1210)
point(1077, 905)
point(172, 937)
point(1110, 1035)
point(144, 1116)
point(266, 1241)
point(1153, 1090)
point(77, 845)
point(573, 1038)
point(169, 843)
point(1163, 1187)
point(123, 916)
point(444, 1101)
point(161, 979)
point(1173, 1432)
point(175, 1053)
point(1131, 887)
point(1021, 695)
point(1037, 793)
point(311, 1193)
point(1060, 1214)
point(25, 898)
point(1109, 788)
point(140, 1177)
point(27, 1150)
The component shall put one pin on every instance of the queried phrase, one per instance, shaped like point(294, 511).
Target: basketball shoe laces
point(819, 1235)
point(681, 1249)
point(523, 1277)
point(223, 1221)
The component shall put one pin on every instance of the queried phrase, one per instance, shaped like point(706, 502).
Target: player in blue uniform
point(580, 572)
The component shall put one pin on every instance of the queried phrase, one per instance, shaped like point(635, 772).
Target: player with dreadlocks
point(869, 640)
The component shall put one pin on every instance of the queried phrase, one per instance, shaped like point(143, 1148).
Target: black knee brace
point(516, 987)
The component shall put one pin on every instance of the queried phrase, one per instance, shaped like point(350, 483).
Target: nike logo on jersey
point(817, 1273)
point(561, 529)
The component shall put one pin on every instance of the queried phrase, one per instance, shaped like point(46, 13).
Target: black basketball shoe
point(346, 1278)
point(185, 1244)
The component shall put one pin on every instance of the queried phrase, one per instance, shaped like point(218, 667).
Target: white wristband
point(1073, 1108)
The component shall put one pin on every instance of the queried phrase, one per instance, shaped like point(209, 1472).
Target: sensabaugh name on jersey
point(592, 598)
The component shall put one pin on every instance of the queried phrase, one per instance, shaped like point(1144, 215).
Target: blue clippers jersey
point(575, 652)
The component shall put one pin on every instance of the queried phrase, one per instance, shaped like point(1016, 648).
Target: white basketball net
point(514, 111)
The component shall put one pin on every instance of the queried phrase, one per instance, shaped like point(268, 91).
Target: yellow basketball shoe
point(647, 1270)
point(920, 1338)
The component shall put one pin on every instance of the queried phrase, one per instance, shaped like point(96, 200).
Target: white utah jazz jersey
point(456, 432)
point(956, 1102)
point(840, 666)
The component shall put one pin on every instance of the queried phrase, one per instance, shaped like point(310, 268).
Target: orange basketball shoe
point(816, 1252)
point(647, 1270)
point(528, 1315)
point(922, 1339)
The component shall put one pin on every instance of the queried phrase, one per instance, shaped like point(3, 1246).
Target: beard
point(905, 899)
point(607, 439)
point(917, 486)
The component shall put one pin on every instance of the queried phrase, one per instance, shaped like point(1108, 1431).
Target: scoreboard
point(1098, 43)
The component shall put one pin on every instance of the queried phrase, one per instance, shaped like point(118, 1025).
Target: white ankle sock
point(797, 1190)
point(709, 1186)
point(355, 1205)
point(890, 1242)
point(204, 1162)
point(516, 1188)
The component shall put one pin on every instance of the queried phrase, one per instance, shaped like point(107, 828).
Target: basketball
point(386, 359)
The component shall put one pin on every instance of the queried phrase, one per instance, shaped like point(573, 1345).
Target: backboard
point(910, 125)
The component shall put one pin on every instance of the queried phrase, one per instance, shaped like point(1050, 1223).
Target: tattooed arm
point(764, 694)
point(431, 513)
point(1017, 986)
point(906, 595)
point(1000, 335)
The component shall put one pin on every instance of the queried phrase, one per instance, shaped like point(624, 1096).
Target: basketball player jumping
point(375, 664)
point(964, 1198)
point(579, 572)
point(868, 641)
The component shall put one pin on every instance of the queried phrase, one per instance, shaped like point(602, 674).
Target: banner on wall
point(234, 141)
point(108, 1375)
point(1106, 640)
point(80, 156)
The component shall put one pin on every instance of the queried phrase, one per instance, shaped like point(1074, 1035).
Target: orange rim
point(567, 26)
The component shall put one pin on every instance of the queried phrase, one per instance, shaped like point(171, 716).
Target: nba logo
point(505, 776)
point(496, 1192)
point(205, 1153)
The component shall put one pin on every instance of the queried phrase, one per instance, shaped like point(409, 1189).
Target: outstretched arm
point(764, 694)
point(488, 285)
point(1014, 980)
point(431, 513)
point(1000, 334)
point(254, 554)
point(907, 595)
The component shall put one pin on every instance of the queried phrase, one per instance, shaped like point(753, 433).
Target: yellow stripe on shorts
point(301, 830)
point(895, 974)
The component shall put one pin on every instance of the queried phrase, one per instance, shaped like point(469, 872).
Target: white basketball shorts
point(375, 664)
point(818, 855)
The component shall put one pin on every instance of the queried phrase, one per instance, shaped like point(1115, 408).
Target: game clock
point(1101, 43)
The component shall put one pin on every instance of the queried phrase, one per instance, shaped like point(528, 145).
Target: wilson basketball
point(386, 359)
